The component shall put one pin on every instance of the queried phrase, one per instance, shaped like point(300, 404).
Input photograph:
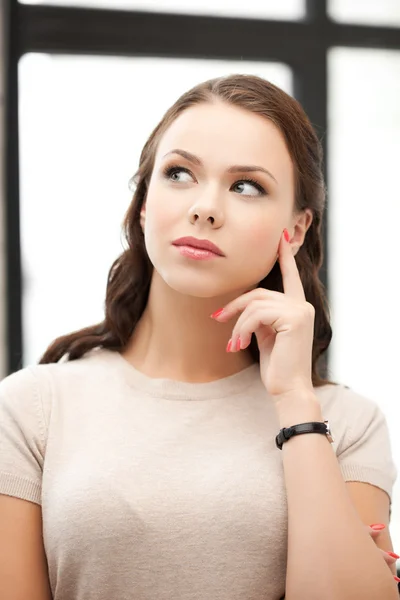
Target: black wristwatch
point(287, 432)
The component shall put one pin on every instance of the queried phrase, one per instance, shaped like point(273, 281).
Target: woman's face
point(198, 188)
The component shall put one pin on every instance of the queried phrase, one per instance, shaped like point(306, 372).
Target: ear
point(301, 224)
point(143, 215)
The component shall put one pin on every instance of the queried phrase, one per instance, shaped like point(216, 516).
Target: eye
point(173, 173)
point(246, 187)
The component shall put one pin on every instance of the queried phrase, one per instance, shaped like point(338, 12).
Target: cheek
point(257, 248)
point(157, 222)
point(160, 214)
point(260, 237)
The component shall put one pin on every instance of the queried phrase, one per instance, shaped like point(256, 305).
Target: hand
point(390, 560)
point(284, 327)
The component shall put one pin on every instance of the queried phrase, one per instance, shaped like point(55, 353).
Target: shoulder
point(37, 385)
point(342, 400)
point(362, 443)
point(23, 389)
point(355, 419)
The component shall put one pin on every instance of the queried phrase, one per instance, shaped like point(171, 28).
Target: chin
point(202, 285)
point(195, 286)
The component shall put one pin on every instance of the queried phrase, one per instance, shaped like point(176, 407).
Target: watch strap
point(313, 427)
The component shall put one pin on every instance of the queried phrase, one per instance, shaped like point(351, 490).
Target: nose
point(206, 212)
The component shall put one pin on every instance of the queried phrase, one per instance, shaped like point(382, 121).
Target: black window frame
point(303, 45)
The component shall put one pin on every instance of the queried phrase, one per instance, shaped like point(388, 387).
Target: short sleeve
point(365, 453)
point(22, 436)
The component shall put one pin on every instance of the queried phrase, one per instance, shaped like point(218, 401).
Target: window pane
point(285, 9)
point(83, 122)
point(371, 12)
point(364, 212)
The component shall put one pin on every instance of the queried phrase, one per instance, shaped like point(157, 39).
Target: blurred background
point(83, 82)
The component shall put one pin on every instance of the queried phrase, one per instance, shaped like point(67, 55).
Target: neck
point(176, 338)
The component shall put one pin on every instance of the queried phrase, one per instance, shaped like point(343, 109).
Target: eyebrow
point(234, 169)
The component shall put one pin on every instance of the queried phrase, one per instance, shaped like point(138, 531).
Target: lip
point(199, 244)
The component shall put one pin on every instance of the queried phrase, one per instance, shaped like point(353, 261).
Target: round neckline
point(183, 390)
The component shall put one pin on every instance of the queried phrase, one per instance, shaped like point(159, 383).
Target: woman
point(141, 459)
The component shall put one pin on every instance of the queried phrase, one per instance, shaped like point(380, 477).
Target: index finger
point(292, 285)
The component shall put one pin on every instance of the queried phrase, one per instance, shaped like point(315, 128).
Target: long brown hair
point(130, 275)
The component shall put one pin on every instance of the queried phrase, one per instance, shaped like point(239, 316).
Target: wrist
point(297, 407)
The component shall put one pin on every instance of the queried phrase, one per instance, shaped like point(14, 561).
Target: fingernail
point(217, 313)
point(396, 578)
point(378, 526)
point(393, 555)
point(286, 234)
point(228, 348)
point(238, 344)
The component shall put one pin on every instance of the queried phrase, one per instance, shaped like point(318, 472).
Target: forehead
point(223, 132)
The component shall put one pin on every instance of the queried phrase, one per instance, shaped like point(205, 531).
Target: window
point(83, 122)
point(285, 9)
point(364, 210)
point(366, 12)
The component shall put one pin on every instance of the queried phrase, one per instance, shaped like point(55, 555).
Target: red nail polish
point(217, 313)
point(228, 348)
point(286, 234)
point(396, 578)
point(393, 555)
point(378, 526)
